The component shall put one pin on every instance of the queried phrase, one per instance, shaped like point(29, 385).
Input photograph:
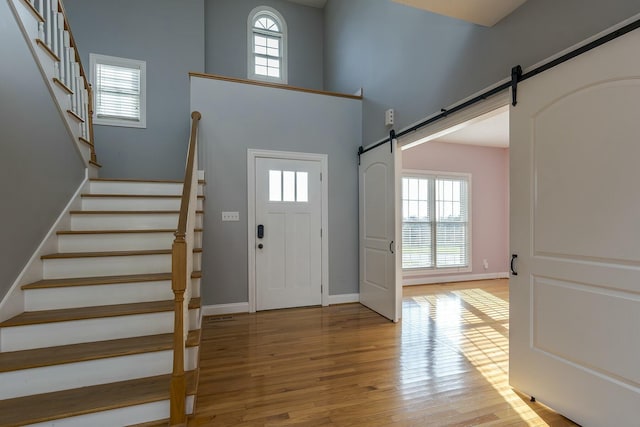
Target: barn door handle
point(391, 247)
point(513, 260)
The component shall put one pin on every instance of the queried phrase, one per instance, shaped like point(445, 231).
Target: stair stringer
point(13, 302)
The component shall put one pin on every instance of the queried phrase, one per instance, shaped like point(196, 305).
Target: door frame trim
point(252, 155)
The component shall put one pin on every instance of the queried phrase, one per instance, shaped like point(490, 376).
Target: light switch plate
point(231, 216)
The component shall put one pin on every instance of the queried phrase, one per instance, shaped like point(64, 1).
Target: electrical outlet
point(485, 264)
point(231, 216)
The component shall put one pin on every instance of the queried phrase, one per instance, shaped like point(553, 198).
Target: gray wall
point(236, 117)
point(169, 36)
point(40, 167)
point(418, 62)
point(226, 39)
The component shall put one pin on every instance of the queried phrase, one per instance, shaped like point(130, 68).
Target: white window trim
point(123, 62)
point(284, 75)
point(420, 173)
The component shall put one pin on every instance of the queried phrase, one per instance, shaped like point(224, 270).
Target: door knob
point(260, 246)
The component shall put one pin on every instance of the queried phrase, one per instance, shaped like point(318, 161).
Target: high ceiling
point(313, 3)
point(485, 12)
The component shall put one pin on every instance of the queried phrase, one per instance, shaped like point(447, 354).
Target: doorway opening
point(455, 201)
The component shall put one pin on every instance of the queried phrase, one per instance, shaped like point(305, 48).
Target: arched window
point(267, 45)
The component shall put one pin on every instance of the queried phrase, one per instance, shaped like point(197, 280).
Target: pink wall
point(489, 169)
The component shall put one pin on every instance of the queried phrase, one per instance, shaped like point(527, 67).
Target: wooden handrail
point(180, 276)
point(73, 43)
point(186, 191)
point(87, 85)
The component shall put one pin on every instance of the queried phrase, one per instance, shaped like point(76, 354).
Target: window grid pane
point(288, 186)
point(275, 186)
point(302, 187)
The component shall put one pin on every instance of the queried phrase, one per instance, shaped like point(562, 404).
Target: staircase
point(94, 346)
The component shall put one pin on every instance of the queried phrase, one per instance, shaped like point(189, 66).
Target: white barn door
point(575, 228)
point(380, 271)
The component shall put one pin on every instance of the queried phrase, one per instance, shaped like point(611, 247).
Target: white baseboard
point(13, 302)
point(458, 278)
point(218, 309)
point(343, 298)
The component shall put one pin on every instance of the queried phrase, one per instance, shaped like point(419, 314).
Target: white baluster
point(79, 86)
point(40, 7)
point(54, 28)
point(80, 94)
point(47, 22)
point(72, 81)
point(61, 68)
point(85, 114)
point(41, 30)
point(67, 59)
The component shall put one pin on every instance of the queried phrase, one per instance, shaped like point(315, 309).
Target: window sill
point(120, 123)
point(414, 272)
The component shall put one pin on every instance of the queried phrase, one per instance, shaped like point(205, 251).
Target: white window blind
point(435, 222)
point(119, 91)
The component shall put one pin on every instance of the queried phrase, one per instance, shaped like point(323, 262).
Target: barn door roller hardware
point(362, 150)
point(517, 76)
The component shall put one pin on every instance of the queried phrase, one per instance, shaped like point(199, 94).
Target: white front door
point(575, 228)
point(380, 284)
point(288, 233)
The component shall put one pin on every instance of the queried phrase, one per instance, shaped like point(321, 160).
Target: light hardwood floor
point(445, 364)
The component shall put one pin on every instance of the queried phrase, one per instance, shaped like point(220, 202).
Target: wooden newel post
point(179, 284)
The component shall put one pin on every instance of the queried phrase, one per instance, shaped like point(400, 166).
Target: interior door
point(575, 209)
point(288, 233)
point(380, 281)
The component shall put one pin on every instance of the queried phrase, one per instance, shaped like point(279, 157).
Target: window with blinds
point(119, 91)
point(435, 222)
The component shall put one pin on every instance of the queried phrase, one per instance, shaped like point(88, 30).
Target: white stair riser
point(132, 204)
point(93, 372)
point(145, 188)
point(195, 288)
point(88, 296)
point(27, 337)
point(130, 415)
point(119, 242)
point(127, 221)
point(61, 268)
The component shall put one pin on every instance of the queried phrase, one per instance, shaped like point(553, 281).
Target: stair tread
point(83, 313)
point(86, 400)
point(50, 356)
point(102, 280)
point(157, 230)
point(154, 181)
point(65, 255)
point(156, 423)
point(147, 212)
point(135, 196)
